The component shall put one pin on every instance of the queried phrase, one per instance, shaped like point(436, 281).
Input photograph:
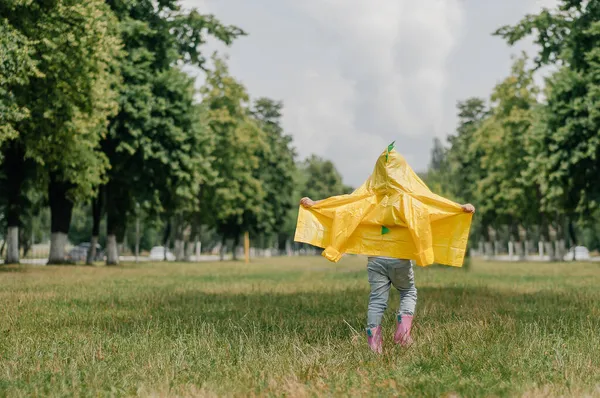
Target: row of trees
point(97, 114)
point(530, 156)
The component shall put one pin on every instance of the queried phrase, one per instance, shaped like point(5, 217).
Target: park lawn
point(294, 326)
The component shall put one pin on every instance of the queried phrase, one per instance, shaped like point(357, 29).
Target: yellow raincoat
point(392, 214)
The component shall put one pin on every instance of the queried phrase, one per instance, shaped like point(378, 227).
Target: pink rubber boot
point(375, 339)
point(402, 335)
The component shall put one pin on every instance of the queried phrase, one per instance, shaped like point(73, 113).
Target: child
point(383, 272)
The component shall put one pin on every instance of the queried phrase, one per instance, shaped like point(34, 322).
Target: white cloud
point(355, 75)
point(385, 82)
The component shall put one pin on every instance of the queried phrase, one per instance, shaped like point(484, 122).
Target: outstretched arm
point(346, 214)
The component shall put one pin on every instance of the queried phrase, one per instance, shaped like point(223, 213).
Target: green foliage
point(178, 163)
point(438, 174)
point(322, 179)
point(526, 162)
point(16, 67)
point(462, 157)
point(277, 166)
point(74, 46)
point(159, 145)
point(505, 190)
point(565, 145)
point(236, 196)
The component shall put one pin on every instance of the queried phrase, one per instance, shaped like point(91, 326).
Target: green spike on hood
point(384, 230)
point(389, 149)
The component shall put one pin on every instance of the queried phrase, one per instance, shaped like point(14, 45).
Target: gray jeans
point(384, 272)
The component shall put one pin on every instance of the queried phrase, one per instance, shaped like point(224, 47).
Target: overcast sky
point(355, 75)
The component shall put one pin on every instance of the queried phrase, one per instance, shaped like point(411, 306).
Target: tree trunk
point(96, 218)
point(561, 249)
point(222, 249)
point(137, 238)
point(514, 237)
point(14, 172)
point(572, 234)
point(467, 260)
point(61, 209)
point(189, 250)
point(167, 240)
point(191, 241)
point(521, 244)
point(547, 236)
point(117, 204)
point(92, 253)
point(560, 239)
point(12, 246)
point(488, 250)
point(179, 238)
point(121, 239)
point(179, 250)
point(58, 242)
point(25, 240)
point(551, 240)
point(236, 243)
point(112, 251)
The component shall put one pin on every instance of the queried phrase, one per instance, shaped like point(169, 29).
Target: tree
point(503, 189)
point(438, 155)
point(189, 144)
point(237, 195)
point(462, 157)
point(73, 45)
point(462, 171)
point(438, 173)
point(565, 144)
point(157, 37)
point(276, 170)
point(323, 180)
point(505, 193)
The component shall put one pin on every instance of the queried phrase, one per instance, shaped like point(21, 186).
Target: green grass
point(294, 326)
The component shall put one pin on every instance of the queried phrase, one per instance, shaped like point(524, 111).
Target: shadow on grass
point(14, 268)
point(321, 316)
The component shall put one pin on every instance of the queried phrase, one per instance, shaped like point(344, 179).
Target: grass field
point(294, 326)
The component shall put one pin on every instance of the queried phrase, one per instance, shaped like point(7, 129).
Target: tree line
point(99, 122)
point(529, 156)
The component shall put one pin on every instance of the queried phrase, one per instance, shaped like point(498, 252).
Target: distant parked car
point(80, 252)
point(578, 253)
point(158, 254)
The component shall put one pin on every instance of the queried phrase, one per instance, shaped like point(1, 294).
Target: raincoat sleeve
point(345, 220)
point(416, 218)
point(346, 213)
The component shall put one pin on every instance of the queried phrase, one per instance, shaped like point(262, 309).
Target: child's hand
point(468, 208)
point(307, 202)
